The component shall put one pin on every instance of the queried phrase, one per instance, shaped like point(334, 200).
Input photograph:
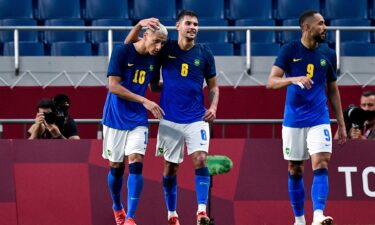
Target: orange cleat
point(120, 216)
point(173, 221)
point(202, 218)
point(129, 221)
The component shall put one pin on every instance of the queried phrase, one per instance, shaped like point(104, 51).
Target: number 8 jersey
point(183, 75)
point(307, 107)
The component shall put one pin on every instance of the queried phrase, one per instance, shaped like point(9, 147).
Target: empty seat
point(250, 9)
point(16, 9)
point(287, 36)
point(103, 48)
point(211, 9)
point(71, 49)
point(292, 9)
point(212, 36)
point(55, 36)
point(102, 9)
point(162, 9)
point(261, 49)
point(340, 9)
point(357, 49)
point(102, 36)
point(8, 36)
point(25, 49)
point(256, 36)
point(350, 35)
point(51, 9)
point(221, 49)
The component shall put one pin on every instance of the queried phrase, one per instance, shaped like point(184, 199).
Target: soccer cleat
point(323, 220)
point(173, 221)
point(120, 216)
point(202, 218)
point(129, 221)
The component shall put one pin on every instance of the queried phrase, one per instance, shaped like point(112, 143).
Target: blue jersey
point(307, 108)
point(183, 75)
point(136, 72)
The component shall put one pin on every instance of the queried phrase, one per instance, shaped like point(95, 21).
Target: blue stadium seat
point(210, 9)
point(287, 36)
point(25, 49)
point(16, 9)
point(7, 36)
point(162, 9)
point(250, 9)
point(212, 36)
point(341, 9)
point(350, 35)
point(52, 9)
point(292, 9)
point(172, 34)
point(103, 47)
point(101, 36)
point(358, 49)
point(221, 49)
point(55, 36)
point(261, 49)
point(71, 49)
point(103, 9)
point(256, 36)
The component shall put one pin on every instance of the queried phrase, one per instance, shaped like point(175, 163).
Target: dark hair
point(184, 13)
point(46, 104)
point(368, 93)
point(306, 15)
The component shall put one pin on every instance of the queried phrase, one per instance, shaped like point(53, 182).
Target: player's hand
point(303, 82)
point(209, 115)
point(355, 133)
point(154, 108)
point(342, 135)
point(151, 23)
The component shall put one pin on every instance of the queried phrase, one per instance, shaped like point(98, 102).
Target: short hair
point(184, 13)
point(368, 93)
point(46, 103)
point(162, 30)
point(306, 15)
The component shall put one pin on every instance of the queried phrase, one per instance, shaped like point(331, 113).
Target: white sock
point(201, 208)
point(171, 214)
point(300, 219)
point(318, 213)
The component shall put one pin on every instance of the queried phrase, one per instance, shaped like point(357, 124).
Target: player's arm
point(276, 80)
point(133, 36)
point(334, 98)
point(213, 95)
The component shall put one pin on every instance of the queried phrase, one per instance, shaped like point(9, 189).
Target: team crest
point(323, 62)
point(197, 62)
point(109, 152)
point(287, 151)
point(151, 68)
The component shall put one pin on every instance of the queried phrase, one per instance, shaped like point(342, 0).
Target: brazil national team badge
point(323, 62)
point(197, 62)
point(151, 67)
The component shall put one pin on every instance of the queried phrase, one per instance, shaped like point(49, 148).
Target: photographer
point(360, 122)
point(52, 120)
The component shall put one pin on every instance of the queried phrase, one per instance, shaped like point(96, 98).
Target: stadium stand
point(350, 35)
point(162, 9)
point(118, 36)
point(292, 9)
point(25, 49)
point(102, 9)
point(250, 9)
point(172, 34)
point(8, 36)
point(341, 9)
point(55, 36)
point(221, 49)
point(71, 49)
point(256, 36)
point(363, 49)
point(213, 37)
point(51, 9)
point(211, 9)
point(103, 48)
point(261, 49)
point(287, 36)
point(12, 9)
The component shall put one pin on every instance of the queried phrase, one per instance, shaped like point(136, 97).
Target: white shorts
point(173, 136)
point(298, 143)
point(120, 143)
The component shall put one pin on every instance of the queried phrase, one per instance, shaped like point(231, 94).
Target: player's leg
point(295, 151)
point(135, 150)
point(320, 148)
point(114, 151)
point(170, 144)
point(197, 141)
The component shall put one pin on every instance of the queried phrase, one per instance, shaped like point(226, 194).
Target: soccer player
point(125, 121)
point(185, 66)
point(309, 68)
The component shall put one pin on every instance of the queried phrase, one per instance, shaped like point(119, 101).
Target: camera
point(355, 117)
point(50, 117)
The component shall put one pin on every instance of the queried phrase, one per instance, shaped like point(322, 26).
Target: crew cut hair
point(306, 15)
point(184, 13)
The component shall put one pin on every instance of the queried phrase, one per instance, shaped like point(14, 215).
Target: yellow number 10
point(310, 70)
point(184, 69)
point(139, 76)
